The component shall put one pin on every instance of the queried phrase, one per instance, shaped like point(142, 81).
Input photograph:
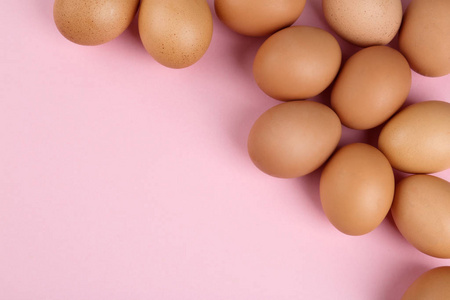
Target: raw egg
point(432, 285)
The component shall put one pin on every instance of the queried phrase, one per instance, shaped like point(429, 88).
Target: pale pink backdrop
point(122, 179)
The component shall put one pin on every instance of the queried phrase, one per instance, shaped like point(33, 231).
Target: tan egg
point(258, 17)
point(432, 285)
point(417, 139)
point(424, 38)
point(93, 22)
point(176, 33)
point(357, 189)
point(364, 23)
point(298, 62)
point(371, 87)
point(421, 211)
point(294, 138)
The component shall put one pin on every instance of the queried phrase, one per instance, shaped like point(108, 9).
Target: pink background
point(122, 179)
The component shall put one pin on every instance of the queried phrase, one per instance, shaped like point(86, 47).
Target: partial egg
point(432, 285)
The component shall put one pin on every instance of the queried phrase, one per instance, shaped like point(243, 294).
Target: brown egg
point(357, 188)
point(417, 139)
point(93, 22)
point(258, 17)
point(371, 87)
point(364, 23)
point(293, 138)
point(298, 62)
point(432, 285)
point(421, 211)
point(424, 38)
point(176, 33)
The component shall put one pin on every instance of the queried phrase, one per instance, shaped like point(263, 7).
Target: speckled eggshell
point(424, 38)
point(298, 62)
point(357, 188)
point(371, 87)
point(176, 33)
point(431, 285)
point(417, 139)
point(364, 23)
point(294, 138)
point(421, 211)
point(93, 22)
point(258, 17)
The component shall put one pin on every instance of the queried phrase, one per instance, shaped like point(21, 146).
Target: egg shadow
point(402, 279)
point(310, 185)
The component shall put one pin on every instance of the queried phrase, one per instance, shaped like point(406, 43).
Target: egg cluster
point(296, 137)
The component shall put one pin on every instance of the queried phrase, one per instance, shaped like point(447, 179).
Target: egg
point(421, 211)
point(425, 37)
point(176, 33)
point(431, 285)
point(371, 87)
point(417, 139)
point(298, 62)
point(364, 23)
point(93, 22)
point(258, 17)
point(294, 138)
point(357, 188)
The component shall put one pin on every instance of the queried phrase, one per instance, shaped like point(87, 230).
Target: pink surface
point(122, 179)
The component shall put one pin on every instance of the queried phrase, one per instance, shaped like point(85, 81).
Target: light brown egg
point(297, 62)
point(421, 211)
point(293, 138)
point(432, 285)
point(176, 33)
point(424, 38)
point(258, 17)
point(357, 188)
point(371, 87)
point(364, 23)
point(93, 22)
point(417, 139)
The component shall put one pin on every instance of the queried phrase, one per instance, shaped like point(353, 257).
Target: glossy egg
point(298, 62)
point(258, 17)
point(424, 38)
point(175, 33)
point(417, 139)
point(293, 138)
point(357, 188)
point(431, 285)
point(93, 22)
point(364, 23)
point(371, 87)
point(421, 211)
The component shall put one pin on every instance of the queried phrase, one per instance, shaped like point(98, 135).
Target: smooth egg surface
point(431, 285)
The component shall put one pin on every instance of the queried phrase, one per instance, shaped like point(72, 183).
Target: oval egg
point(357, 188)
point(424, 38)
point(364, 23)
point(258, 17)
point(421, 211)
point(93, 22)
point(417, 139)
point(431, 285)
point(371, 87)
point(293, 138)
point(298, 62)
point(175, 33)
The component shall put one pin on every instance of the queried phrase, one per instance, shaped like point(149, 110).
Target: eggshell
point(258, 17)
point(298, 62)
point(293, 138)
point(364, 23)
point(424, 38)
point(176, 33)
point(371, 87)
point(432, 285)
point(93, 22)
point(417, 139)
point(357, 188)
point(421, 211)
